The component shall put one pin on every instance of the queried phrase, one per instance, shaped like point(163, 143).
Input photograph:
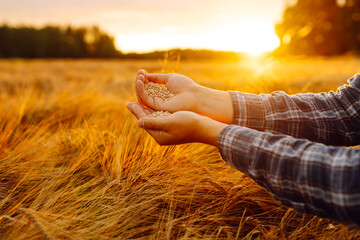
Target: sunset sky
point(146, 25)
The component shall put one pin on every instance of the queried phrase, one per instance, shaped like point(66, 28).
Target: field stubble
point(74, 165)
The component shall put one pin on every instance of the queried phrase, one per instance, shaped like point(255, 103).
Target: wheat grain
point(160, 114)
point(157, 90)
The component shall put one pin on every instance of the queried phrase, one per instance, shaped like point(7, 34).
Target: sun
point(250, 36)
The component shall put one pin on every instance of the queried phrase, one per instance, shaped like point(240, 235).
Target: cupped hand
point(177, 128)
point(184, 88)
point(189, 96)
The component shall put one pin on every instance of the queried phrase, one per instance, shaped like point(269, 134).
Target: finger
point(129, 105)
point(139, 111)
point(152, 123)
point(158, 78)
point(140, 92)
point(145, 99)
point(141, 75)
point(147, 110)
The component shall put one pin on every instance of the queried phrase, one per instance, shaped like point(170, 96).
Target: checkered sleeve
point(309, 177)
point(330, 118)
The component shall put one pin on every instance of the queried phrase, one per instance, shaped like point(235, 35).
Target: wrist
point(209, 130)
point(215, 104)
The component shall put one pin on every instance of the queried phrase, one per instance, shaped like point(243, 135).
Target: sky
point(147, 25)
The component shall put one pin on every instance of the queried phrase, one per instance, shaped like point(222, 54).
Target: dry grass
point(74, 165)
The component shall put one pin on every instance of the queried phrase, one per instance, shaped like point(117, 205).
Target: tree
point(352, 24)
point(319, 27)
point(55, 42)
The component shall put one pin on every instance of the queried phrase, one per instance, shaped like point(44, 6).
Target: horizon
point(157, 25)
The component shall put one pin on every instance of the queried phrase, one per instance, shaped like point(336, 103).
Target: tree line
point(84, 42)
point(320, 27)
point(56, 42)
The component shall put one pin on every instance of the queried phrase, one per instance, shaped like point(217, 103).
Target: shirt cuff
point(248, 110)
point(234, 144)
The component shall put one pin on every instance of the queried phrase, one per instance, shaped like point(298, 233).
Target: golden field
point(74, 164)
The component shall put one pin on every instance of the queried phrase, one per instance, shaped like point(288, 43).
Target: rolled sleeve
point(330, 118)
point(309, 177)
point(248, 110)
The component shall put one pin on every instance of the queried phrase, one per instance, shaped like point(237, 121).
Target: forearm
point(215, 104)
point(307, 176)
point(208, 130)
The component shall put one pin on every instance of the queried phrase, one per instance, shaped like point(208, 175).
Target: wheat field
point(74, 164)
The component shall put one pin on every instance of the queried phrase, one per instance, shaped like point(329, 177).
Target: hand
point(178, 128)
point(184, 88)
point(189, 96)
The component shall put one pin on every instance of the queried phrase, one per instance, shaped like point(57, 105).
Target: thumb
point(158, 78)
point(151, 123)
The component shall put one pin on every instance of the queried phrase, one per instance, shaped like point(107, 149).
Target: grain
point(159, 114)
point(157, 90)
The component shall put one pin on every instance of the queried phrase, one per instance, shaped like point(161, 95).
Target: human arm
point(332, 118)
point(310, 177)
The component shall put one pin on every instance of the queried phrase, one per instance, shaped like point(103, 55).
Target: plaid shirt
point(278, 140)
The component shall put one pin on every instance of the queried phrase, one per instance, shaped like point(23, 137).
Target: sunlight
point(251, 36)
